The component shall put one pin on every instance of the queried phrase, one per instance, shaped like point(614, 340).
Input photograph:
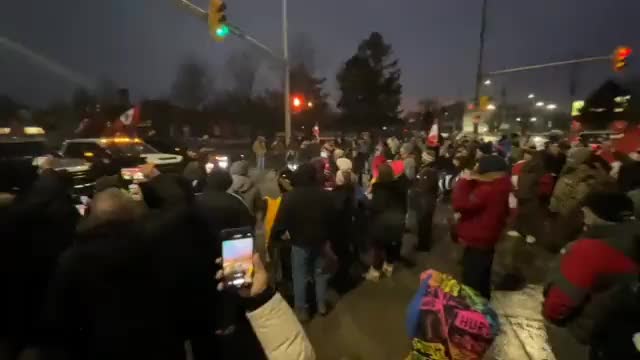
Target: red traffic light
point(620, 56)
point(296, 101)
point(624, 52)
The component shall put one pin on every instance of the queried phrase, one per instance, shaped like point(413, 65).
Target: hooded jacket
point(307, 212)
point(592, 267)
point(484, 208)
point(243, 186)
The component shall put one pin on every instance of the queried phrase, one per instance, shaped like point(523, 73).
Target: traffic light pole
point(204, 15)
point(287, 82)
point(483, 28)
point(551, 64)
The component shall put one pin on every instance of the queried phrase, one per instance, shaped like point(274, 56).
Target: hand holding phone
point(237, 257)
point(259, 283)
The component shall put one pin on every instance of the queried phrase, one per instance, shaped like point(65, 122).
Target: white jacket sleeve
point(279, 332)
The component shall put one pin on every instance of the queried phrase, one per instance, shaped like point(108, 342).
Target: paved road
point(368, 322)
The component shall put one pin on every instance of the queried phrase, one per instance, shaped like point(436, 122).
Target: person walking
point(260, 150)
point(481, 198)
point(388, 212)
point(308, 215)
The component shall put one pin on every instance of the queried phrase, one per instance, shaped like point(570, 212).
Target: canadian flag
point(433, 137)
point(131, 116)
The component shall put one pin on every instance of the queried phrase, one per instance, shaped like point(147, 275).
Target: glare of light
point(491, 107)
point(384, 128)
point(540, 104)
point(297, 102)
point(532, 96)
point(310, 104)
point(487, 82)
point(222, 31)
point(533, 119)
point(552, 106)
point(518, 119)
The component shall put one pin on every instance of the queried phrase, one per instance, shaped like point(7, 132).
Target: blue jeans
point(260, 162)
point(304, 262)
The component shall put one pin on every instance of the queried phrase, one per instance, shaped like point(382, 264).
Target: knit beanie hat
point(491, 163)
point(344, 164)
point(240, 168)
point(610, 206)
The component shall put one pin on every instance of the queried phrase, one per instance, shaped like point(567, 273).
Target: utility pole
point(235, 30)
point(483, 27)
point(287, 83)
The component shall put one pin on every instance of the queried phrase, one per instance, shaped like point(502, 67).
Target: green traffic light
point(222, 31)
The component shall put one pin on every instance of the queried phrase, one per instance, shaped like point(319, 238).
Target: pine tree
point(370, 85)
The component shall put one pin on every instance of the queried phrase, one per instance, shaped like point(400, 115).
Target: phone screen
point(132, 174)
point(237, 260)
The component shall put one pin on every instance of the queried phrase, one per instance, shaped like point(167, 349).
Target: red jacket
point(484, 208)
point(593, 265)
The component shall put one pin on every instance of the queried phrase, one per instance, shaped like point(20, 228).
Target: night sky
point(139, 43)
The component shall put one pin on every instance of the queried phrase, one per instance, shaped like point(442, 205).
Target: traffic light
point(620, 56)
point(218, 20)
point(296, 101)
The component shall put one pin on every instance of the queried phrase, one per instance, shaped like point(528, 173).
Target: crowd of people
point(137, 277)
point(134, 277)
point(575, 201)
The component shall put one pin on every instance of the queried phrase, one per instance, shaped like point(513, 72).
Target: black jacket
point(36, 228)
point(133, 289)
point(388, 209)
point(308, 214)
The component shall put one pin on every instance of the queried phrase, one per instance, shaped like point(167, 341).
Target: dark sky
point(139, 43)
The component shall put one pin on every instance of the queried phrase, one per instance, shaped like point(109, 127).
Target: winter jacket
point(244, 187)
point(388, 209)
point(279, 332)
point(259, 148)
point(615, 333)
point(34, 231)
point(573, 187)
point(423, 195)
point(134, 288)
point(629, 176)
point(483, 206)
point(308, 213)
point(592, 267)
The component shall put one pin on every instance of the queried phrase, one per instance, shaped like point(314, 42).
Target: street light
point(487, 82)
point(552, 107)
point(532, 96)
point(310, 104)
point(533, 119)
point(540, 104)
point(491, 107)
point(518, 119)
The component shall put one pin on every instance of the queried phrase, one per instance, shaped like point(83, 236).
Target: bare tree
point(192, 85)
point(302, 52)
point(243, 66)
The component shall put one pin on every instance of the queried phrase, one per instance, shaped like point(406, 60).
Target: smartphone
point(132, 174)
point(237, 256)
